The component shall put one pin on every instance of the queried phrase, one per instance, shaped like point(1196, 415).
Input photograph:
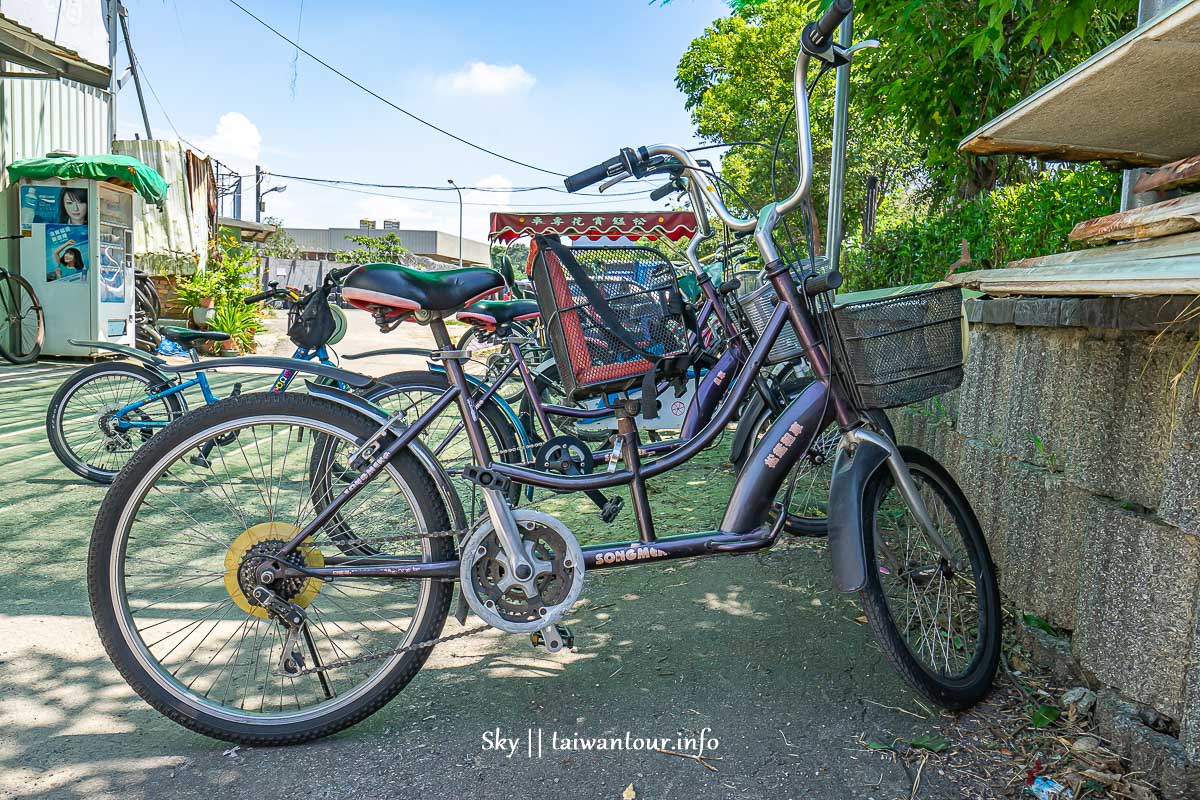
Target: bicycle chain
point(348, 662)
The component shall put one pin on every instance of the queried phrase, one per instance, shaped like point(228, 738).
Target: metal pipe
point(837, 158)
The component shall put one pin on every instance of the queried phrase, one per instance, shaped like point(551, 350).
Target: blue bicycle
point(104, 412)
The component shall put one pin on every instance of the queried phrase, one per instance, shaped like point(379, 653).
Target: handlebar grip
point(816, 284)
point(258, 298)
point(591, 175)
point(828, 24)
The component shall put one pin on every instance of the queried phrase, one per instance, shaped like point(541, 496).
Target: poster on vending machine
point(65, 248)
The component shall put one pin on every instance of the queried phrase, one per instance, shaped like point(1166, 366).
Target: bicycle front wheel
point(22, 326)
point(174, 557)
point(937, 618)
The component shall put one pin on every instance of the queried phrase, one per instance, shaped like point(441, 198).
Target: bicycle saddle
point(498, 312)
point(185, 337)
point(406, 289)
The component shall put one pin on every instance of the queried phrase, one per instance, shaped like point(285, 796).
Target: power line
point(498, 189)
point(549, 207)
point(384, 100)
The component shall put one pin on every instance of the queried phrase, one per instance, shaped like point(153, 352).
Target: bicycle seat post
point(627, 435)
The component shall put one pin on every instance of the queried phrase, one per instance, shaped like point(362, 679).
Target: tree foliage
point(385, 249)
point(945, 67)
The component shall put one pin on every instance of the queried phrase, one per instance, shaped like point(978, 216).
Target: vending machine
point(77, 252)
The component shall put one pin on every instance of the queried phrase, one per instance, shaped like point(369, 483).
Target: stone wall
point(1080, 451)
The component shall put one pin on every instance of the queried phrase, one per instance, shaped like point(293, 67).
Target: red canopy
point(674, 225)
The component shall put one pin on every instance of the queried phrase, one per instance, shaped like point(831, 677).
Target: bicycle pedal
point(237, 389)
point(611, 509)
point(200, 461)
point(560, 636)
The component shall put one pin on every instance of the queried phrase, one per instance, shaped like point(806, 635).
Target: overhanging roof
point(21, 45)
point(1134, 102)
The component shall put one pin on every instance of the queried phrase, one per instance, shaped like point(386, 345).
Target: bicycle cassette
point(498, 598)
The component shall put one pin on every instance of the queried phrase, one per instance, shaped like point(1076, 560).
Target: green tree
point(373, 249)
point(946, 66)
point(517, 252)
point(279, 244)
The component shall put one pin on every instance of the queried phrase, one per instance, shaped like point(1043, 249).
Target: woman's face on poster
point(69, 259)
point(76, 208)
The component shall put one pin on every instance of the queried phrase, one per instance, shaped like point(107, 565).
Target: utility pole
point(260, 203)
point(113, 83)
point(460, 218)
point(123, 13)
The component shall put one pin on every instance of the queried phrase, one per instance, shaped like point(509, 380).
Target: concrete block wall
point(1081, 457)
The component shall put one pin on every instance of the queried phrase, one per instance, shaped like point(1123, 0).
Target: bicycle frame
point(281, 384)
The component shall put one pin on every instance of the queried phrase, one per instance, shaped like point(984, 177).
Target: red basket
point(610, 345)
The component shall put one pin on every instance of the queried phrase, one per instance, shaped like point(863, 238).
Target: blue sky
point(557, 84)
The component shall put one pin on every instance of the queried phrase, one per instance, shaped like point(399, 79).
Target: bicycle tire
point(493, 418)
point(73, 387)
point(132, 656)
point(14, 316)
point(946, 502)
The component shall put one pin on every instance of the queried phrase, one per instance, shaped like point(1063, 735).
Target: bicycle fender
point(355, 379)
point(847, 539)
point(748, 423)
point(121, 349)
point(458, 517)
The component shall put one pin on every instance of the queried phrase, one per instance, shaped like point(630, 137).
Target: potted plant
point(241, 322)
point(198, 295)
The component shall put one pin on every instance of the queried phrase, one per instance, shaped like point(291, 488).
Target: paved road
point(755, 652)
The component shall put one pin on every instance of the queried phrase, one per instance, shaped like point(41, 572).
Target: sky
point(561, 85)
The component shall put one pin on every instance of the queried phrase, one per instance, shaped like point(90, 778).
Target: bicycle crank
point(494, 593)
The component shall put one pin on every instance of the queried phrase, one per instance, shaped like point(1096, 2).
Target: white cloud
point(236, 138)
point(482, 78)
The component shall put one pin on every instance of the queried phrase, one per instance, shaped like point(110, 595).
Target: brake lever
point(863, 45)
point(611, 182)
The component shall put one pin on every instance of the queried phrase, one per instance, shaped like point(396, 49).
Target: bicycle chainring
point(497, 598)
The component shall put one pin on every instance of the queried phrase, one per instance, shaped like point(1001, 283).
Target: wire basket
point(901, 350)
point(640, 298)
point(757, 299)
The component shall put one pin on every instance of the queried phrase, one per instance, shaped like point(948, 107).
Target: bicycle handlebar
point(828, 24)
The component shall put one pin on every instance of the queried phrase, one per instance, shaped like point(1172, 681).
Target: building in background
point(55, 58)
point(319, 244)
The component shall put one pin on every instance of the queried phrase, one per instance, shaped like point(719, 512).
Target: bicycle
point(551, 433)
point(22, 323)
point(310, 640)
point(104, 412)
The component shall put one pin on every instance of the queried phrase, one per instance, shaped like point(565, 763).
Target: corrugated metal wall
point(38, 116)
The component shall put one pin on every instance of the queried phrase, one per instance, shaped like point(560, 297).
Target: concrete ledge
point(1115, 313)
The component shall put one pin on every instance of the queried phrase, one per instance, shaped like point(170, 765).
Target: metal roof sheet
point(1133, 102)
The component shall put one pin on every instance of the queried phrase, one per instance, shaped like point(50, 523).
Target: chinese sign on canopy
point(672, 225)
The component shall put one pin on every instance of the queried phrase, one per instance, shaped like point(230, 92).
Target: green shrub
point(1012, 222)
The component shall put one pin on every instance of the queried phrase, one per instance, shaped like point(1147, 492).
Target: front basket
point(904, 349)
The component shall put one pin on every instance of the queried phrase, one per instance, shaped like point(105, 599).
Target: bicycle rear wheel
point(22, 325)
point(937, 619)
point(81, 420)
point(173, 563)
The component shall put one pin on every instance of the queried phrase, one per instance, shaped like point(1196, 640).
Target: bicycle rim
point(178, 583)
point(21, 323)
